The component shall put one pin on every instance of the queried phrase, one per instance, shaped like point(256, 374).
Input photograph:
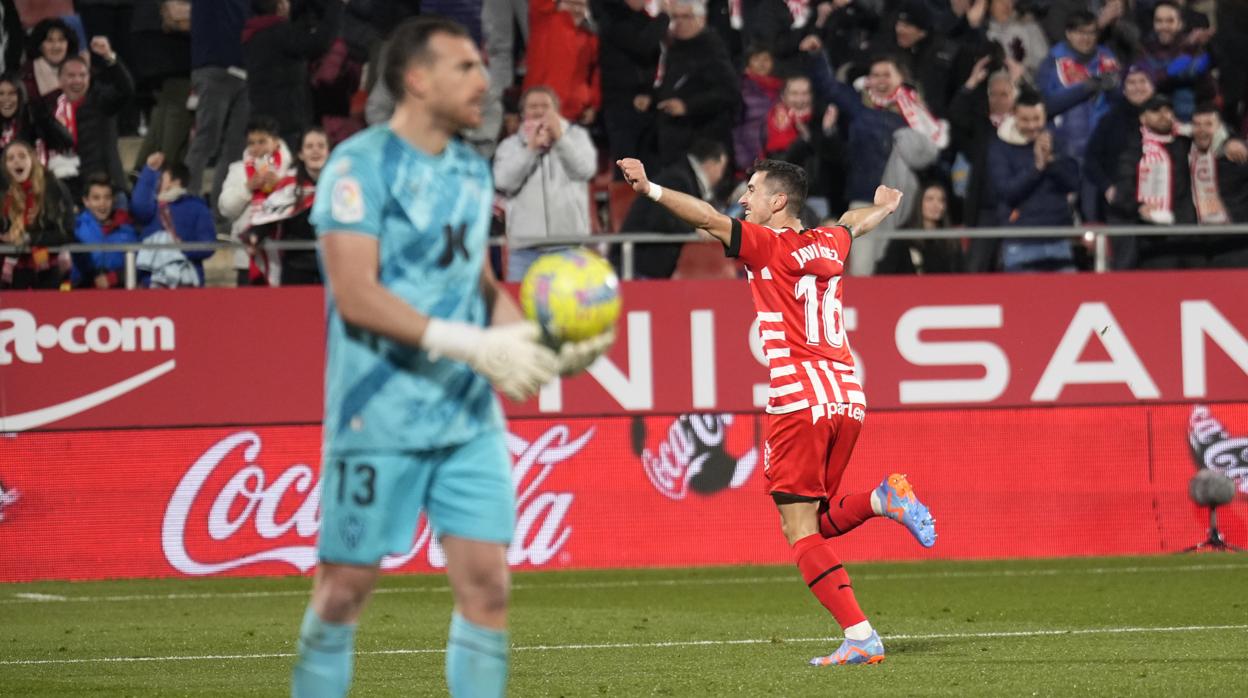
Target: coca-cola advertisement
point(211, 357)
point(626, 492)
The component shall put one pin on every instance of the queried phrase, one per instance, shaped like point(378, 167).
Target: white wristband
point(655, 192)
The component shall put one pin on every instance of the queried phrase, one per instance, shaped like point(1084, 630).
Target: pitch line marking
point(1005, 634)
point(27, 597)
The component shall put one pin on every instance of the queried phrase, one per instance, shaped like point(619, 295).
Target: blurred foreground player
point(816, 404)
point(418, 330)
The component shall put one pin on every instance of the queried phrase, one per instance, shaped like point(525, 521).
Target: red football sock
point(843, 514)
point(827, 579)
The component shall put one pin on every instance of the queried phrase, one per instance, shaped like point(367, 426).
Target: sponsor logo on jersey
point(834, 409)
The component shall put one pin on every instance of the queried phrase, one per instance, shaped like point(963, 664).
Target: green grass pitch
point(1164, 626)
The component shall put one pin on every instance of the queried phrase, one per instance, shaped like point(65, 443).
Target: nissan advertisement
point(176, 434)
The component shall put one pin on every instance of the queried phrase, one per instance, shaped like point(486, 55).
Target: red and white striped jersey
point(795, 278)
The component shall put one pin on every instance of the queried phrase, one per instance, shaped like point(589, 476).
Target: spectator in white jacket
point(544, 171)
point(267, 167)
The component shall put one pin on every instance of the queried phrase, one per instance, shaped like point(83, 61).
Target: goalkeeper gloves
point(575, 357)
point(510, 356)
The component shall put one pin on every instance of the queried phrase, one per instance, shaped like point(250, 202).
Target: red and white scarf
point(1155, 174)
point(910, 104)
point(273, 162)
point(1071, 72)
point(1209, 208)
point(67, 114)
point(800, 9)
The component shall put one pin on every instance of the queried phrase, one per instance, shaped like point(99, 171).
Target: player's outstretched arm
point(861, 221)
point(510, 355)
point(691, 210)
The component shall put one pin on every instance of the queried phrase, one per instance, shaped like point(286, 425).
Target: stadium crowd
point(986, 113)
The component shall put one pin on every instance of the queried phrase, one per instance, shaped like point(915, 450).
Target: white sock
point(876, 505)
point(859, 631)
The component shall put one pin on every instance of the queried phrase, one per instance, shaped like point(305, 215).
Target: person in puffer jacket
point(1032, 182)
point(1077, 79)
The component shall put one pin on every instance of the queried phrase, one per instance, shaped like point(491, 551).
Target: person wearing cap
point(1077, 80)
point(1112, 135)
point(1154, 187)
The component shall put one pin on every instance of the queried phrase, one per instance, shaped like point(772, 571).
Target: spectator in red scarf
point(760, 91)
point(1154, 187)
point(37, 213)
point(87, 107)
point(24, 120)
point(265, 166)
point(300, 267)
point(163, 204)
point(563, 55)
point(101, 222)
point(50, 43)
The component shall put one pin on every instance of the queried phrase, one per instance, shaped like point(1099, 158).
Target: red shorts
point(805, 458)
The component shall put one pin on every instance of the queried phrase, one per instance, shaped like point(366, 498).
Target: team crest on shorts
point(352, 530)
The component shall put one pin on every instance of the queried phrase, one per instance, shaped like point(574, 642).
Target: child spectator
point(51, 42)
point(37, 213)
point(266, 163)
point(101, 222)
point(169, 213)
point(285, 216)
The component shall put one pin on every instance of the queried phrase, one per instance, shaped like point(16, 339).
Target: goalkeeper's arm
point(509, 355)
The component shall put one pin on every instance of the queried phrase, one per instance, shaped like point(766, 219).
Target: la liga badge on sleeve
point(347, 201)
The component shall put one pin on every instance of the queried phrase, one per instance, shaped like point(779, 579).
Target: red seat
point(704, 260)
point(621, 197)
